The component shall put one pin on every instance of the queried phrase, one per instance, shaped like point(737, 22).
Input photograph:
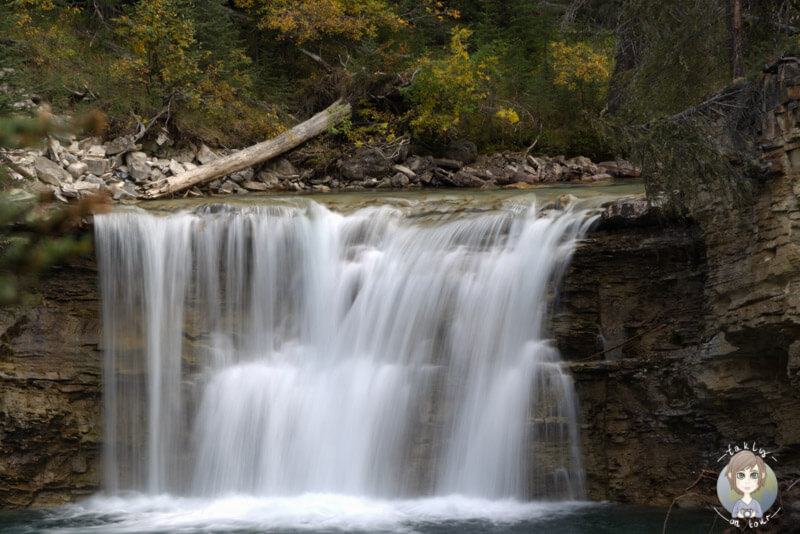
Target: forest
point(558, 75)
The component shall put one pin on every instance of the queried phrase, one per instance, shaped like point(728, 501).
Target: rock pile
point(119, 167)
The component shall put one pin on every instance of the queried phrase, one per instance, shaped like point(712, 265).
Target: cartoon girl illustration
point(746, 474)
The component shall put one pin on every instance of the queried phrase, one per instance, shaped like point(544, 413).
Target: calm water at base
point(319, 513)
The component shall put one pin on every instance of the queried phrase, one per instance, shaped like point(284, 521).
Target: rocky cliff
point(50, 392)
point(683, 335)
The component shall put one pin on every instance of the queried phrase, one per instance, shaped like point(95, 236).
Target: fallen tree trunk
point(252, 155)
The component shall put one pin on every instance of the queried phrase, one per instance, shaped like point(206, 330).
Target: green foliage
point(504, 74)
point(698, 150)
point(675, 55)
point(9, 61)
point(34, 239)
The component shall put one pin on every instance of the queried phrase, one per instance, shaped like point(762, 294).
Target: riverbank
point(73, 168)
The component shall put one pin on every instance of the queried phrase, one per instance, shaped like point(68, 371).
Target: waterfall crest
point(286, 349)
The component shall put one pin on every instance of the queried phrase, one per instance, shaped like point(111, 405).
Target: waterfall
point(394, 351)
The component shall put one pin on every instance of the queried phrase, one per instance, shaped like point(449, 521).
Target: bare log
point(252, 155)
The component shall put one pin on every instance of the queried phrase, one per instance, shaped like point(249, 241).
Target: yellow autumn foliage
point(581, 68)
point(45, 29)
point(166, 60)
point(447, 89)
point(311, 20)
point(160, 39)
point(508, 114)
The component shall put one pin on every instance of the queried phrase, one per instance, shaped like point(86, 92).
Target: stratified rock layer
point(683, 335)
point(50, 392)
point(682, 340)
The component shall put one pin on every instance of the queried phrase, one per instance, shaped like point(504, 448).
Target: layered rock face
point(50, 392)
point(685, 337)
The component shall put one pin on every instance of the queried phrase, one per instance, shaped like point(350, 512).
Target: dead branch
point(252, 155)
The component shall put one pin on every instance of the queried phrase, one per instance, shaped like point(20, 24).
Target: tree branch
point(322, 63)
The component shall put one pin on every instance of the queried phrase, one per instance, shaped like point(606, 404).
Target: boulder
point(418, 164)
point(136, 158)
point(92, 179)
point(85, 144)
point(131, 189)
point(446, 163)
point(227, 188)
point(400, 179)
point(245, 175)
point(365, 163)
point(320, 180)
point(137, 165)
point(123, 191)
point(54, 149)
point(619, 169)
point(77, 169)
point(270, 179)
point(96, 151)
point(255, 186)
point(97, 166)
point(551, 172)
point(83, 187)
point(69, 191)
point(461, 150)
point(526, 177)
point(205, 155)
point(561, 202)
point(464, 179)
point(351, 170)
point(176, 167)
point(582, 165)
point(283, 167)
point(162, 137)
point(186, 155)
point(121, 145)
point(50, 172)
point(518, 185)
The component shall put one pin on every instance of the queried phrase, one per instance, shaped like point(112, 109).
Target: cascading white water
point(287, 349)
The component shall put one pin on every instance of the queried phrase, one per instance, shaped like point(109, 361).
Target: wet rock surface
point(682, 334)
point(670, 340)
